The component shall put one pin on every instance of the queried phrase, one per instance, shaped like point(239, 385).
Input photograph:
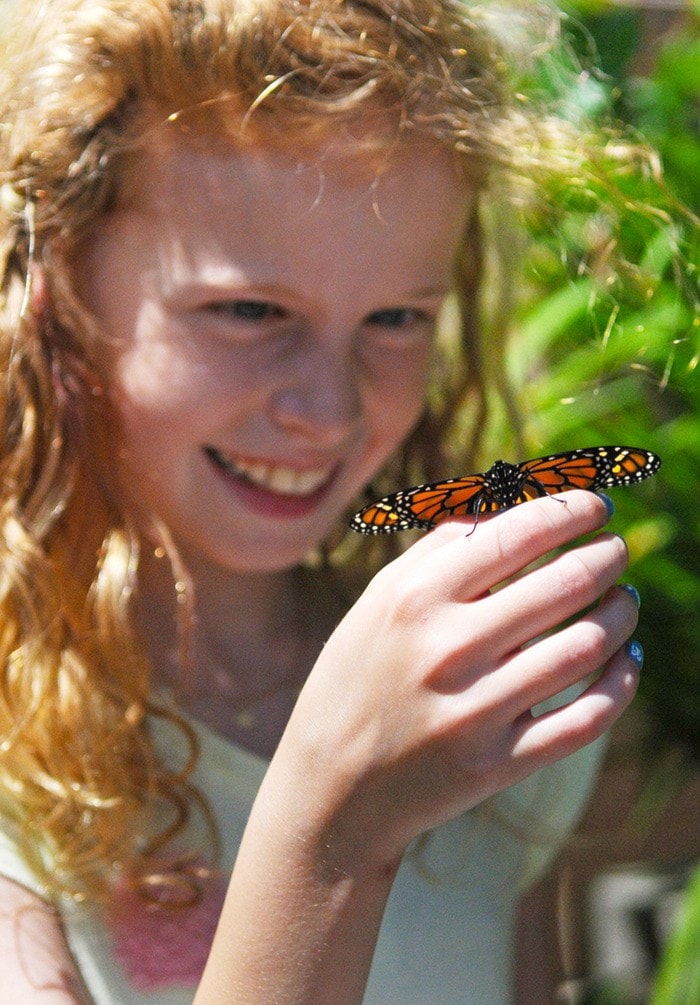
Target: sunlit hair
point(78, 772)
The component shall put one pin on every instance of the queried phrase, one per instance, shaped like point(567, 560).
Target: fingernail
point(635, 652)
point(609, 504)
point(634, 594)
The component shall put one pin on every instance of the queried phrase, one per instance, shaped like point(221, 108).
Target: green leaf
point(678, 977)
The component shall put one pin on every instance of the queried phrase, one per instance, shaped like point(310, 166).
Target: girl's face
point(270, 321)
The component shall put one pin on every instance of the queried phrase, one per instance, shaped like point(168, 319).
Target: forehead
point(312, 216)
point(184, 175)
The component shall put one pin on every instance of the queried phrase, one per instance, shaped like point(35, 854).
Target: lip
point(273, 489)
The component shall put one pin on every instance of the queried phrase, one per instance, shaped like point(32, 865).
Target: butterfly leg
point(542, 490)
point(475, 508)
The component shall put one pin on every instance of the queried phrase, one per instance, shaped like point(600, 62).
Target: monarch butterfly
point(505, 485)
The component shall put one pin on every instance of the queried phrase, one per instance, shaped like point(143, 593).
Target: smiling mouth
point(271, 477)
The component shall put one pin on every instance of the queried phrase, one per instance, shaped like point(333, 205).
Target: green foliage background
point(595, 359)
point(598, 358)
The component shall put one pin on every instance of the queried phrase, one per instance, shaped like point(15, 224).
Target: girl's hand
point(418, 708)
point(419, 705)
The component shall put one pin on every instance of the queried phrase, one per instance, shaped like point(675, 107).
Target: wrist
point(323, 805)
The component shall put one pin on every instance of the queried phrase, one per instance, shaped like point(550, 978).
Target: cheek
point(150, 400)
point(163, 386)
point(149, 379)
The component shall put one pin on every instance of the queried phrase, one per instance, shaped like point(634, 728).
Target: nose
point(319, 400)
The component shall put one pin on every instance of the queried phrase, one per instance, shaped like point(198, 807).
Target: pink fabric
point(162, 947)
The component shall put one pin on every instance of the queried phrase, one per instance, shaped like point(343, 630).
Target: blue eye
point(395, 317)
point(248, 310)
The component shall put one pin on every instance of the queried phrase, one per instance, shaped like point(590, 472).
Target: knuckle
point(585, 572)
point(586, 649)
point(409, 599)
point(406, 599)
point(576, 578)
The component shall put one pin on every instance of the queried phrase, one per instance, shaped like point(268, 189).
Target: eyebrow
point(254, 289)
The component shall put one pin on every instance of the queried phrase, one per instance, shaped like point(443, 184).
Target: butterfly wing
point(382, 517)
point(424, 506)
point(625, 466)
point(590, 468)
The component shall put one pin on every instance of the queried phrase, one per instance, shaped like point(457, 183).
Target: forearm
point(296, 927)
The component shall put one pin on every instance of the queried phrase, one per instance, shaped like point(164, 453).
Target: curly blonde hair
point(78, 771)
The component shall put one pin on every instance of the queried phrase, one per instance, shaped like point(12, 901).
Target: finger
point(557, 734)
point(556, 662)
point(550, 594)
point(464, 567)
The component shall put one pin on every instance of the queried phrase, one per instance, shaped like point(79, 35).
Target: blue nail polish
point(609, 504)
point(634, 594)
point(635, 652)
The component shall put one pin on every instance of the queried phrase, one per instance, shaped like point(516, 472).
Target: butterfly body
point(506, 485)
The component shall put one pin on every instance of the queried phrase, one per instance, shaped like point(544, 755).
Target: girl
point(228, 231)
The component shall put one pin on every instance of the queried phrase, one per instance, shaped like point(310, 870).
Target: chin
point(255, 560)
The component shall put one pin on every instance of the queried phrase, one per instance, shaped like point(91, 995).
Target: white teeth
point(273, 477)
point(294, 482)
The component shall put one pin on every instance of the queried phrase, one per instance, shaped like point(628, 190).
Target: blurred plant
point(605, 354)
point(678, 978)
point(608, 350)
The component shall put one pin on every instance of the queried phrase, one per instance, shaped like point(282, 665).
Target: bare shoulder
point(35, 962)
